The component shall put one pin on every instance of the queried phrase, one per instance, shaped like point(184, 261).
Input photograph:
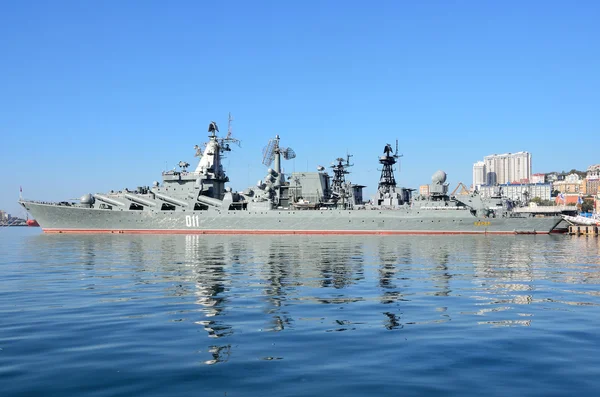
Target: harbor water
point(171, 315)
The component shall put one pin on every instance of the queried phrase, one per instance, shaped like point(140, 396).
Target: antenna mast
point(224, 142)
point(274, 152)
point(387, 182)
point(229, 120)
point(339, 174)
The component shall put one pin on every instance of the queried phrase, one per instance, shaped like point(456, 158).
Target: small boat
point(32, 222)
point(582, 220)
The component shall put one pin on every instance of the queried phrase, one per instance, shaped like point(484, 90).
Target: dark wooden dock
point(579, 230)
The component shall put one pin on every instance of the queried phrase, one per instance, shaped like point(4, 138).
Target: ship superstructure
point(304, 203)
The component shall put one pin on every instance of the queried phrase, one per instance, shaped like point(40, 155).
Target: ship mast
point(387, 182)
point(210, 167)
point(339, 175)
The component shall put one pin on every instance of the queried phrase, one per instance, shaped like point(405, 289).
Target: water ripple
point(298, 315)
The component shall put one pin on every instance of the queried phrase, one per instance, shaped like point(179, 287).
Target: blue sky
point(101, 95)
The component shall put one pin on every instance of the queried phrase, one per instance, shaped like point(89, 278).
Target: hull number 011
point(192, 221)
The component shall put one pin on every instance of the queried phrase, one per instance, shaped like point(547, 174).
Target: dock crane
point(462, 187)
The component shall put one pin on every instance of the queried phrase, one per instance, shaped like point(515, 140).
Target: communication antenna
point(348, 155)
point(229, 120)
point(397, 155)
point(229, 137)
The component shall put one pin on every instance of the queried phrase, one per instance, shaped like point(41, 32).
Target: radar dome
point(439, 177)
point(87, 199)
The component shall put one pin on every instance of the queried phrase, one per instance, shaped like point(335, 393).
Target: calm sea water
point(110, 315)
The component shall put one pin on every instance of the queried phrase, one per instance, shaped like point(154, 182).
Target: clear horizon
point(100, 96)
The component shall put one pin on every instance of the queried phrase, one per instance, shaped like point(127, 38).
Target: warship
point(199, 202)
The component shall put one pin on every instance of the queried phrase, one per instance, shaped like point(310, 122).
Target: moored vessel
point(199, 202)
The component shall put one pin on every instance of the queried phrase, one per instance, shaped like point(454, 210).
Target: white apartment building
point(538, 178)
point(507, 168)
point(479, 176)
point(521, 192)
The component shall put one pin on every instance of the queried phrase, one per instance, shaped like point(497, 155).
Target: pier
point(579, 230)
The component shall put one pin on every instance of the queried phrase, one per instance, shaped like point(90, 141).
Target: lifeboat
point(32, 222)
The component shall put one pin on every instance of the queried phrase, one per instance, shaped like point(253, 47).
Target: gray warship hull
point(56, 218)
point(199, 202)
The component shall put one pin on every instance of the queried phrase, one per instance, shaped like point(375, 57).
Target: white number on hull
point(192, 221)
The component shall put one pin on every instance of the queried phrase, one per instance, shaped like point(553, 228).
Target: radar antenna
point(212, 127)
point(288, 153)
point(274, 152)
point(273, 149)
point(269, 152)
point(183, 165)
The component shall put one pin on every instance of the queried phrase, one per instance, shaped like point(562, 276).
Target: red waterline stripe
point(241, 231)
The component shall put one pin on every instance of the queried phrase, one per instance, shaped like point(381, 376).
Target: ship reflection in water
point(255, 284)
point(309, 307)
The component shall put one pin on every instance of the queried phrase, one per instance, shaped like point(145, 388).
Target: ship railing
point(60, 203)
point(443, 208)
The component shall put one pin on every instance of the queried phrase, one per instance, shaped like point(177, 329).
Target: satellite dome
point(439, 177)
point(87, 199)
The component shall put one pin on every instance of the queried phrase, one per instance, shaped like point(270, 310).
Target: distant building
point(507, 168)
point(519, 191)
point(552, 177)
point(593, 179)
point(4, 216)
point(538, 178)
point(479, 176)
point(572, 183)
point(424, 190)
